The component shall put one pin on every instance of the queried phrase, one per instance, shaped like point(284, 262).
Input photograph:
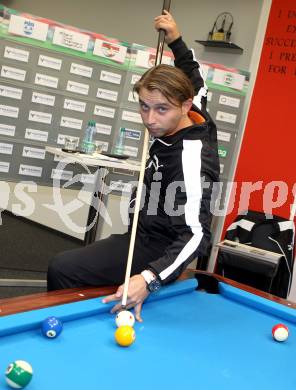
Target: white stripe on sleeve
point(191, 161)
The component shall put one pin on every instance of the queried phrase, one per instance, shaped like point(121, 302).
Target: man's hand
point(137, 293)
point(167, 23)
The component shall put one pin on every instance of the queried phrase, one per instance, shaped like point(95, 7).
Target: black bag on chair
point(271, 233)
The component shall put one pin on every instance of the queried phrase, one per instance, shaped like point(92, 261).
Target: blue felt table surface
point(188, 340)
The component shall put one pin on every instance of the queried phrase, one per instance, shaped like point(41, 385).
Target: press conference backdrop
point(55, 78)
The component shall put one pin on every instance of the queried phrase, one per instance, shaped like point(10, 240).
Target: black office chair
point(258, 251)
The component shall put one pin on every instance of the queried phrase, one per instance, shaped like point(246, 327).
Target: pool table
point(202, 333)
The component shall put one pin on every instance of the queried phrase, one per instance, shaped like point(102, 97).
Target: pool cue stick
point(135, 220)
point(293, 209)
point(160, 44)
point(159, 51)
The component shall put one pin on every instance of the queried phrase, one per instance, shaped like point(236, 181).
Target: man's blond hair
point(172, 82)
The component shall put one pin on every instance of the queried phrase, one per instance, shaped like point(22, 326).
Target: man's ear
point(186, 106)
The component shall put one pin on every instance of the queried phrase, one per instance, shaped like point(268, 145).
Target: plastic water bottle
point(119, 144)
point(88, 146)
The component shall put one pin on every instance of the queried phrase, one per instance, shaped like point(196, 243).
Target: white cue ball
point(125, 317)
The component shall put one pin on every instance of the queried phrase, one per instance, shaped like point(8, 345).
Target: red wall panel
point(269, 144)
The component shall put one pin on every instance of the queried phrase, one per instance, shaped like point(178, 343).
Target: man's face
point(160, 117)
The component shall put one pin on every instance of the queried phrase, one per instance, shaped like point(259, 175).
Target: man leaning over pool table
point(183, 159)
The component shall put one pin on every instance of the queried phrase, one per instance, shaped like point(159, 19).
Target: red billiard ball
point(280, 332)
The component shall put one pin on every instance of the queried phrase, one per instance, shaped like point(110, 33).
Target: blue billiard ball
point(51, 327)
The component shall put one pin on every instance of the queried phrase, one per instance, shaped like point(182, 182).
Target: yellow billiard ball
point(125, 335)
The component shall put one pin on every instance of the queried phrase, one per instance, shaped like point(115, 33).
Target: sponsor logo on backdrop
point(27, 27)
point(222, 136)
point(131, 116)
point(226, 117)
point(38, 116)
point(62, 137)
point(131, 151)
point(110, 50)
point(222, 152)
point(16, 54)
point(34, 152)
point(37, 135)
point(81, 70)
point(146, 59)
point(229, 79)
point(110, 77)
point(107, 112)
point(49, 62)
point(71, 122)
point(7, 130)
point(13, 93)
point(4, 166)
point(45, 80)
point(103, 129)
point(70, 39)
point(132, 133)
point(13, 73)
point(30, 170)
point(6, 148)
point(42, 98)
point(74, 105)
point(135, 78)
point(107, 94)
point(10, 111)
point(103, 145)
point(72, 86)
point(133, 97)
point(61, 174)
point(229, 101)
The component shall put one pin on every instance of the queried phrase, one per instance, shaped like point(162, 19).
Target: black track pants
point(101, 263)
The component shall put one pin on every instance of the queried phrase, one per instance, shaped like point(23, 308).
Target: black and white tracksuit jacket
point(178, 182)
